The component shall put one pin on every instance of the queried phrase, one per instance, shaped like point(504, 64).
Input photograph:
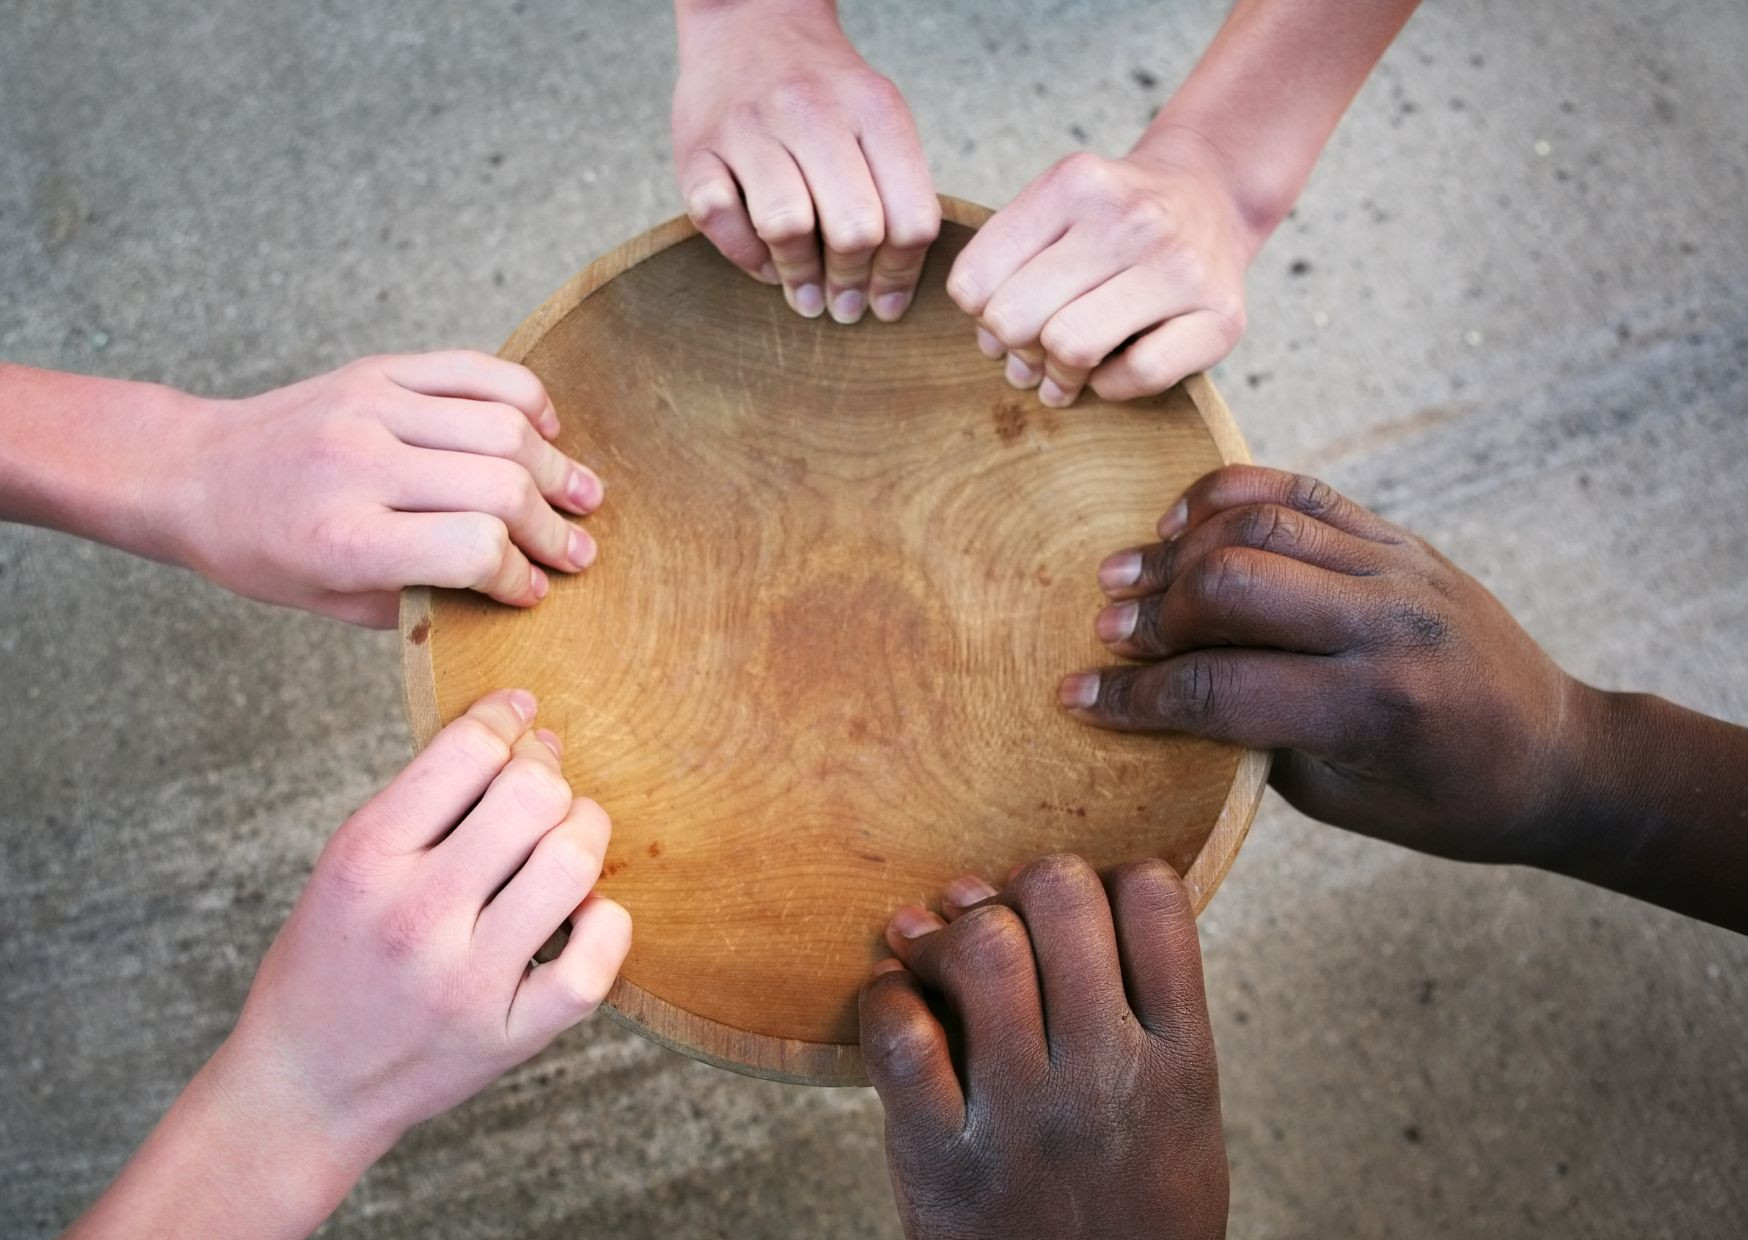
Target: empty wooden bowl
point(813, 674)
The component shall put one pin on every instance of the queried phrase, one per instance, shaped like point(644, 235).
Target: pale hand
point(333, 494)
point(1125, 275)
point(785, 138)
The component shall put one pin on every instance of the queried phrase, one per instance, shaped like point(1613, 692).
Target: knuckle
point(1222, 582)
point(508, 433)
point(1080, 169)
point(1195, 690)
point(1064, 343)
point(1269, 527)
point(914, 228)
point(1148, 221)
point(1311, 496)
point(582, 992)
point(1418, 626)
point(1056, 879)
point(855, 233)
point(484, 550)
point(1154, 371)
point(984, 939)
point(899, 1044)
point(575, 861)
point(408, 925)
point(882, 96)
point(784, 221)
point(477, 744)
point(710, 201)
point(1001, 320)
point(540, 791)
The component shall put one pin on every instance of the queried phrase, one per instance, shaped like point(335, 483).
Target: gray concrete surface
point(1523, 331)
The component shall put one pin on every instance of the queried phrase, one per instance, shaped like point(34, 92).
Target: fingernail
point(584, 490)
point(1080, 690)
point(523, 703)
point(913, 921)
point(768, 273)
point(849, 306)
point(808, 301)
point(1051, 393)
point(551, 741)
point(1021, 374)
point(989, 346)
point(1115, 624)
point(1172, 523)
point(967, 890)
point(888, 965)
point(537, 582)
point(890, 307)
point(582, 548)
point(549, 422)
point(1120, 570)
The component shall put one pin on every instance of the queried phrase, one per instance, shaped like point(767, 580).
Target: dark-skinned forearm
point(1658, 808)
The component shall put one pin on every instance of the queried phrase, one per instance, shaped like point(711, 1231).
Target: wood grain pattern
point(812, 675)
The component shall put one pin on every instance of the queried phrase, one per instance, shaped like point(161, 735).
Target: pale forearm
point(223, 1162)
point(1270, 90)
point(695, 18)
point(105, 459)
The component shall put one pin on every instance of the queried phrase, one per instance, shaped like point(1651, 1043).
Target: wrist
point(699, 21)
point(1595, 826)
point(288, 1147)
point(1185, 149)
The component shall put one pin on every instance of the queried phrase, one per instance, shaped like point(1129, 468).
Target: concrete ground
point(1519, 327)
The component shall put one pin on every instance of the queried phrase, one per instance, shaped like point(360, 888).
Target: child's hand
point(400, 985)
point(431, 469)
point(1077, 1093)
point(1148, 251)
point(402, 981)
point(782, 136)
point(1405, 700)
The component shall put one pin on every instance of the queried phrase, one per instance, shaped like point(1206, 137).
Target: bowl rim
point(768, 1056)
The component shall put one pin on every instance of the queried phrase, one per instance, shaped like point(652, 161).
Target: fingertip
point(582, 548)
point(1021, 373)
point(584, 490)
point(538, 583)
point(1176, 520)
point(524, 704)
point(890, 307)
point(966, 891)
point(891, 964)
point(1056, 396)
point(912, 921)
point(1079, 691)
point(551, 740)
point(808, 300)
point(1120, 570)
point(548, 424)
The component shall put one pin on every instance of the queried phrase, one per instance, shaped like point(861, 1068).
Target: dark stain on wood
point(1010, 420)
point(419, 632)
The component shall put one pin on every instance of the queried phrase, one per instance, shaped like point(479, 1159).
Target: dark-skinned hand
point(1046, 1062)
point(1401, 698)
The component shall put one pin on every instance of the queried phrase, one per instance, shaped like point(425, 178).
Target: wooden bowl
point(813, 674)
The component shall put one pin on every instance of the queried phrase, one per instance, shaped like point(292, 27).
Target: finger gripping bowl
point(813, 675)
